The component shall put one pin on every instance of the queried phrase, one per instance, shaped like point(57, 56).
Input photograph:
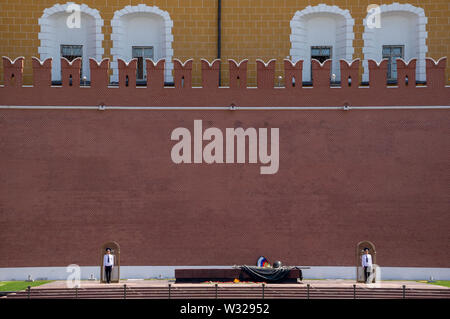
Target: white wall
point(401, 24)
point(324, 29)
point(322, 25)
point(143, 29)
point(144, 272)
point(62, 34)
point(142, 25)
point(397, 28)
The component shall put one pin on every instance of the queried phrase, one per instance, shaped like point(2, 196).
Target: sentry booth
point(359, 252)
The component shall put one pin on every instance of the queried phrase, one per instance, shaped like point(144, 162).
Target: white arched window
point(321, 32)
point(401, 33)
point(142, 32)
point(72, 31)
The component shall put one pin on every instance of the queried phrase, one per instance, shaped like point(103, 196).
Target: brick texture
point(250, 29)
point(73, 180)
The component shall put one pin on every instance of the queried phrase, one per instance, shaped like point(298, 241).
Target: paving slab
point(331, 283)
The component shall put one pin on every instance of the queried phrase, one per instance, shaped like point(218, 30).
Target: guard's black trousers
point(366, 273)
point(108, 273)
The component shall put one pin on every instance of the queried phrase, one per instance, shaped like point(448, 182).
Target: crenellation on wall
point(324, 90)
point(127, 73)
point(238, 73)
point(70, 72)
point(378, 73)
point(436, 72)
point(99, 72)
point(350, 74)
point(406, 73)
point(210, 73)
point(42, 72)
point(155, 73)
point(265, 74)
point(293, 74)
point(13, 71)
point(183, 74)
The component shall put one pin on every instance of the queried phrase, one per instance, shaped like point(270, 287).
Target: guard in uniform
point(108, 262)
point(366, 262)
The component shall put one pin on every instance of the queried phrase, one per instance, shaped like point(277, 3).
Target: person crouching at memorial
point(108, 262)
point(366, 262)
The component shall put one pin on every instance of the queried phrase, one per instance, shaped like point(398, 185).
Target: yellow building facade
point(250, 29)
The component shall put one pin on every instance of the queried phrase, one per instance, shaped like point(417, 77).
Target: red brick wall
point(71, 180)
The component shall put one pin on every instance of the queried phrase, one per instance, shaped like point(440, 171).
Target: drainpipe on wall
point(219, 33)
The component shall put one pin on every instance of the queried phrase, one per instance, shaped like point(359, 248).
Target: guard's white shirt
point(366, 260)
point(108, 262)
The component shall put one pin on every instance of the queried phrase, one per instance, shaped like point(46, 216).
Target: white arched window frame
point(418, 49)
point(119, 37)
point(344, 36)
point(50, 35)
